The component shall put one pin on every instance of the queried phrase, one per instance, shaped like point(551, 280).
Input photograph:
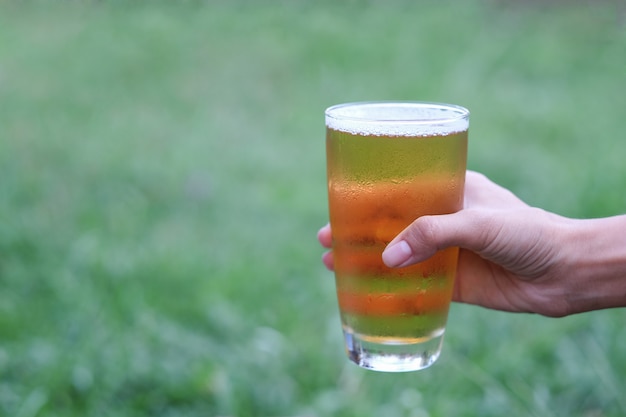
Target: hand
point(513, 257)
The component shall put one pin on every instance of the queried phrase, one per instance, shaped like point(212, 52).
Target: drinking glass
point(389, 163)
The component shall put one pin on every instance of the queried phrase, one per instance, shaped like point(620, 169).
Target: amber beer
point(387, 165)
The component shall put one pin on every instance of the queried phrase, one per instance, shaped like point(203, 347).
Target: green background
point(162, 179)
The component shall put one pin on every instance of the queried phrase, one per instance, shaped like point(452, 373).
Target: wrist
point(595, 275)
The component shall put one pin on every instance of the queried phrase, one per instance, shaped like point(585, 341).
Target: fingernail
point(397, 254)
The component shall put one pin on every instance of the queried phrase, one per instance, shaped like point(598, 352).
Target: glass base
point(393, 355)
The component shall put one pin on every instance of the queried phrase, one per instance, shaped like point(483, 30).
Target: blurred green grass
point(162, 180)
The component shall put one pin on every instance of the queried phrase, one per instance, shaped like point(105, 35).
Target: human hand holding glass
point(518, 258)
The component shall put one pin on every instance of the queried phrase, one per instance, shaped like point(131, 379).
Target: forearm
point(596, 258)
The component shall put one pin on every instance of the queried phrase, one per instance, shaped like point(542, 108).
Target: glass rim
point(455, 114)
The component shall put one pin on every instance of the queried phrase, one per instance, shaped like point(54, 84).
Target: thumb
point(428, 234)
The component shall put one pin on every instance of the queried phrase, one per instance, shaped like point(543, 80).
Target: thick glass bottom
point(393, 355)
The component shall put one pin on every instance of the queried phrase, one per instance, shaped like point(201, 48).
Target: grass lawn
point(162, 179)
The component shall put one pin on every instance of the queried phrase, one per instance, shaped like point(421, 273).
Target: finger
point(324, 236)
point(327, 259)
point(469, 229)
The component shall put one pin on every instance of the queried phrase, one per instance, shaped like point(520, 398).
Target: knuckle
point(422, 233)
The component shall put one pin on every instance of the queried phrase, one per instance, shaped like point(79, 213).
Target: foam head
point(397, 118)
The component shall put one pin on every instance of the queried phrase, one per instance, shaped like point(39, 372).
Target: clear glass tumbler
point(389, 163)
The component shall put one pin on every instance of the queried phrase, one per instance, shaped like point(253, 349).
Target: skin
point(515, 257)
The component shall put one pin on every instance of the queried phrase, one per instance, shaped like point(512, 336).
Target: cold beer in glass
point(389, 163)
